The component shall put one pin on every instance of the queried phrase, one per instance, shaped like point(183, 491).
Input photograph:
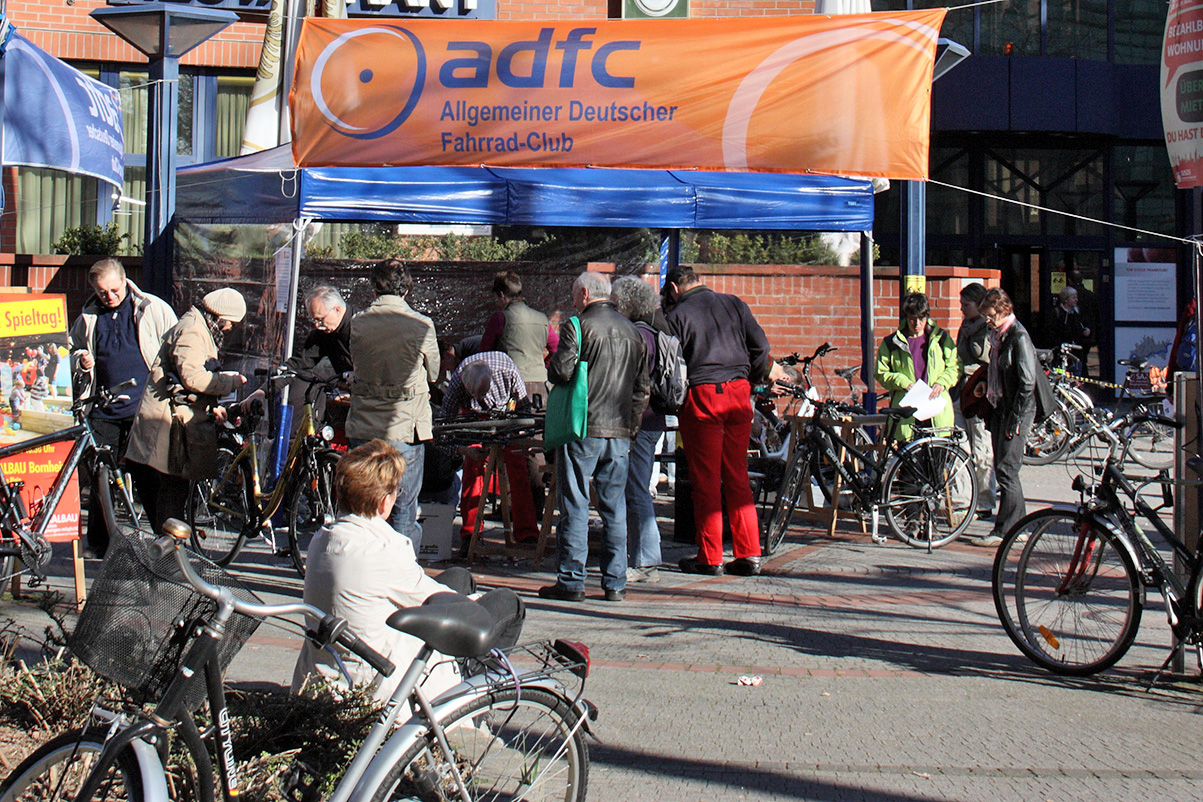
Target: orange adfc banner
point(845, 95)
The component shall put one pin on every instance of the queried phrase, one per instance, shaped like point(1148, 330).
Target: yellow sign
point(914, 283)
point(24, 317)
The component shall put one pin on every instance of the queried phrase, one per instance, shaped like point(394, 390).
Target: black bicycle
point(1069, 584)
point(925, 486)
point(23, 532)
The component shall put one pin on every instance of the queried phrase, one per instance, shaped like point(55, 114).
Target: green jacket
point(896, 371)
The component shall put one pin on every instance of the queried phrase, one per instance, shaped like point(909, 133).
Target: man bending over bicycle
point(360, 569)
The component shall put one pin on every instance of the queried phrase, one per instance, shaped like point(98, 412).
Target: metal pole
point(164, 74)
point(913, 259)
point(868, 339)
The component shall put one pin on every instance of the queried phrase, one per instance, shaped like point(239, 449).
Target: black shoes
point(744, 566)
point(984, 515)
point(691, 565)
point(560, 593)
point(615, 595)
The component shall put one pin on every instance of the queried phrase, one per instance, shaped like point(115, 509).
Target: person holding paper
point(920, 351)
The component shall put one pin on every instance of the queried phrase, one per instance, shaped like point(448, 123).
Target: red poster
point(35, 400)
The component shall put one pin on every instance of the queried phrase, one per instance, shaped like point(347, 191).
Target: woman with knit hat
point(174, 435)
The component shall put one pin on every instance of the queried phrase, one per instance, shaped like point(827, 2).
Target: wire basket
point(141, 615)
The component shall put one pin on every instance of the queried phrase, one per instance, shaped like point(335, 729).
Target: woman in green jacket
point(918, 350)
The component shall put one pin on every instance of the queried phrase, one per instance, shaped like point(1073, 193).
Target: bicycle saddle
point(450, 623)
point(848, 373)
point(896, 412)
point(1138, 364)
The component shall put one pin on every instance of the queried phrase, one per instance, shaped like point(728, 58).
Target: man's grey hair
point(105, 267)
point(634, 298)
point(477, 378)
point(330, 297)
point(597, 284)
point(1067, 293)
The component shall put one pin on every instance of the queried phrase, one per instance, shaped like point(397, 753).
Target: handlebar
point(328, 629)
point(106, 396)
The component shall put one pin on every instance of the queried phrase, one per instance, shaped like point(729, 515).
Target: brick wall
point(66, 31)
point(801, 307)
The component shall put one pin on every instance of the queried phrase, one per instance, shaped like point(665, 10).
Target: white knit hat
point(227, 304)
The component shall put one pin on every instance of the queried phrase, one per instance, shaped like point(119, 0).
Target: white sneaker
point(650, 575)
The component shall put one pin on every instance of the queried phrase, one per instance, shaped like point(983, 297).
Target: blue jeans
point(604, 460)
point(643, 534)
point(404, 517)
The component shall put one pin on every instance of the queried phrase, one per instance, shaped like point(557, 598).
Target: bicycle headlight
point(327, 433)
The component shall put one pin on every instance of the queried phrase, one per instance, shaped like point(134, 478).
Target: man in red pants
point(481, 383)
point(725, 349)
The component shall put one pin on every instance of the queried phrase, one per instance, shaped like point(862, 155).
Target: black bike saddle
point(450, 623)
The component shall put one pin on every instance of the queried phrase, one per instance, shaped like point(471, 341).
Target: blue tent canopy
point(267, 188)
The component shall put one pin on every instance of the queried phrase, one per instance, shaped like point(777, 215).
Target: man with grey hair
point(488, 382)
point(618, 387)
point(1067, 326)
point(116, 338)
point(331, 335)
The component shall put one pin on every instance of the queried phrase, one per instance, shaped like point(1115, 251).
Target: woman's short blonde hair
point(365, 476)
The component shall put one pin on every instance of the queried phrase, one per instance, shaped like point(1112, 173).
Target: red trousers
point(522, 505)
point(715, 424)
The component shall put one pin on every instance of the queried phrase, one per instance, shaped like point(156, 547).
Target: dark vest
point(524, 338)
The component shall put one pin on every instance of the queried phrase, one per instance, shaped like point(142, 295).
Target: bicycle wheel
point(507, 746)
point(57, 770)
point(219, 510)
point(1150, 443)
point(310, 506)
point(1067, 594)
point(117, 504)
point(793, 483)
point(930, 493)
point(1048, 439)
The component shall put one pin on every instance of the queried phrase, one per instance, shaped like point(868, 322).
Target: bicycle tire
point(219, 534)
point(792, 483)
point(1077, 628)
point(58, 768)
point(115, 502)
point(930, 493)
point(310, 506)
point(1049, 439)
point(1150, 443)
point(536, 730)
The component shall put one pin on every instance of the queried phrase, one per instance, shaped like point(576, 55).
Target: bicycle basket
point(141, 613)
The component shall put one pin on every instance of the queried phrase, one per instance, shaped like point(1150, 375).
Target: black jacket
point(720, 339)
point(333, 345)
point(1017, 366)
point(618, 369)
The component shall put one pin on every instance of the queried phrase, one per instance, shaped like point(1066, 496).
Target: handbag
point(972, 404)
point(568, 405)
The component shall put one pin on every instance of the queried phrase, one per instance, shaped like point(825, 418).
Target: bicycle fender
point(1109, 523)
point(408, 734)
point(154, 776)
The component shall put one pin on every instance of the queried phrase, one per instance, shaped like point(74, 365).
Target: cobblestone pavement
point(885, 675)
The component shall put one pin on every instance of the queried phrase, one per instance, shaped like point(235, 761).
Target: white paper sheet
point(918, 397)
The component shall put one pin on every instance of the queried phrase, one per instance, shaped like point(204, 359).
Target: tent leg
point(867, 338)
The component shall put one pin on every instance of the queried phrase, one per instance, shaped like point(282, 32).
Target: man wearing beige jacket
point(396, 357)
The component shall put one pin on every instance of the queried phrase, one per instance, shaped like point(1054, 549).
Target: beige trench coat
point(188, 353)
point(396, 358)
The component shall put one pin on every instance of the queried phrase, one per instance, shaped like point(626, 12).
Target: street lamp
point(163, 32)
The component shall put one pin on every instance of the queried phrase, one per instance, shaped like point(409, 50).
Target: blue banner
point(57, 117)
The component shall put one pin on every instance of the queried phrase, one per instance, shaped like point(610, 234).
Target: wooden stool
point(809, 509)
point(495, 467)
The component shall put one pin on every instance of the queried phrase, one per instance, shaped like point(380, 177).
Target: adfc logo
point(351, 64)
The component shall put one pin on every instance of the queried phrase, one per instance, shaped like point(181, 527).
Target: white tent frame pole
point(294, 285)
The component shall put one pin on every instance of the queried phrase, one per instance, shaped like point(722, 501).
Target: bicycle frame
point(266, 505)
point(14, 510)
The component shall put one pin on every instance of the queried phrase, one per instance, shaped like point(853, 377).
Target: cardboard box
point(438, 528)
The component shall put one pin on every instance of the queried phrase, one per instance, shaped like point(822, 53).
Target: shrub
point(90, 241)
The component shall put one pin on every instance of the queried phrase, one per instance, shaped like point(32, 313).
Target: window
point(1078, 29)
point(1144, 190)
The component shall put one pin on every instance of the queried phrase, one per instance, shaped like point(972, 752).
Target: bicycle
point(22, 533)
point(226, 511)
point(499, 734)
point(1077, 422)
point(1069, 584)
point(925, 486)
